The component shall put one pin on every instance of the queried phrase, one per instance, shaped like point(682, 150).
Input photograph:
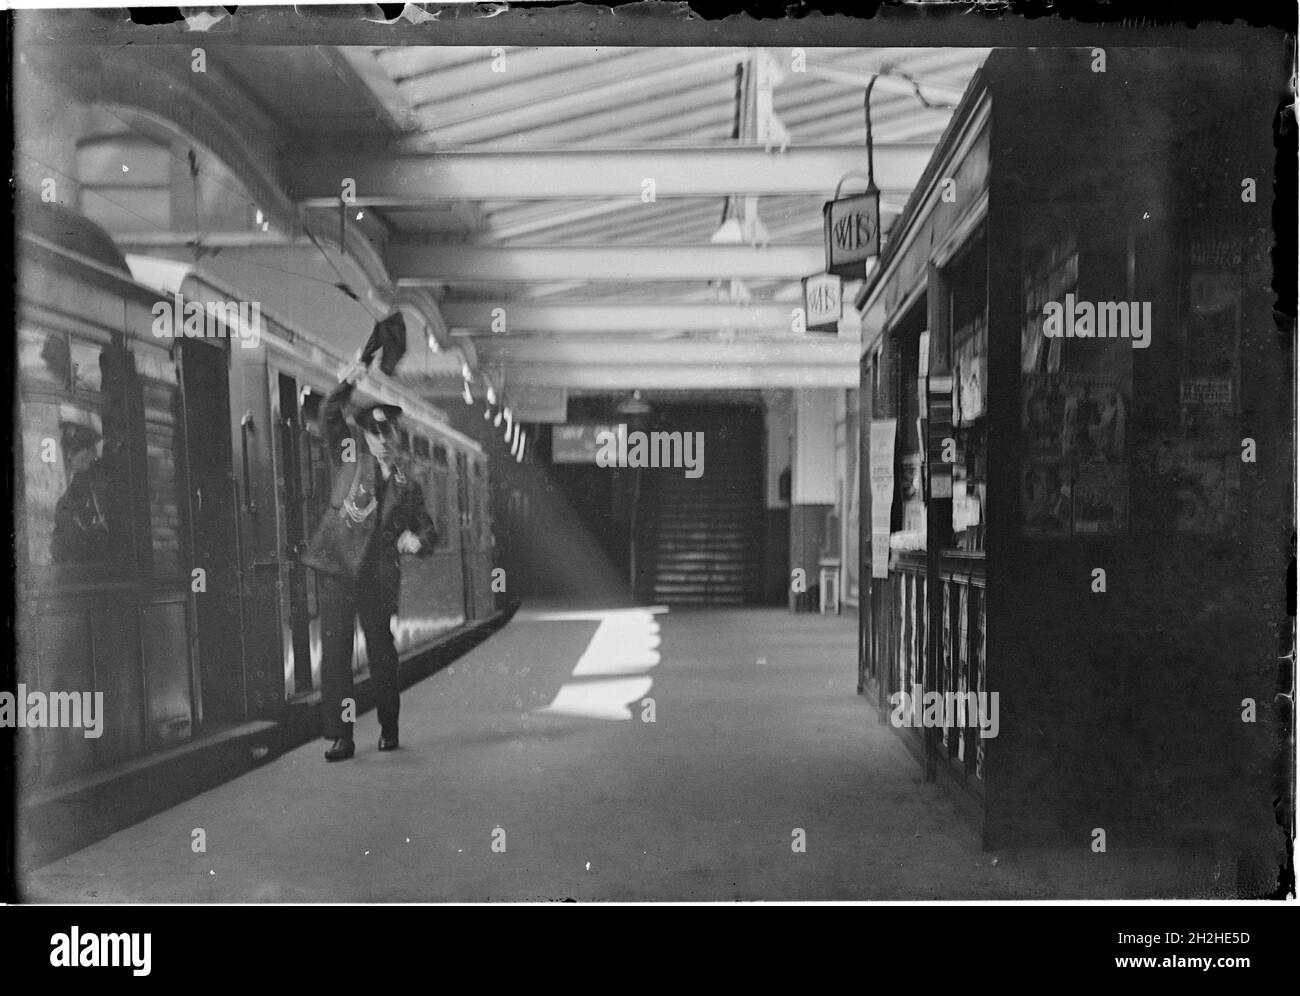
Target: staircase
point(700, 541)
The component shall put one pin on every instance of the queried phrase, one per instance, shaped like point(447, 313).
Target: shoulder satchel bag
point(339, 544)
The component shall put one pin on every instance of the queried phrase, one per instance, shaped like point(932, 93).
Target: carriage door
point(218, 632)
point(296, 472)
point(465, 507)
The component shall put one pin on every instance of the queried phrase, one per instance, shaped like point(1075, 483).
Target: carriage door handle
point(245, 427)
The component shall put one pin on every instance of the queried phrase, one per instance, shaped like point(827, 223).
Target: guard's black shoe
point(387, 742)
point(342, 749)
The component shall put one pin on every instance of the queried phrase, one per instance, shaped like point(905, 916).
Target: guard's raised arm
point(333, 414)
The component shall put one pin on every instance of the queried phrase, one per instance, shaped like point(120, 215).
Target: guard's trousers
point(341, 602)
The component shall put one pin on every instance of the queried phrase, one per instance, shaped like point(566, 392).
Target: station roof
point(626, 208)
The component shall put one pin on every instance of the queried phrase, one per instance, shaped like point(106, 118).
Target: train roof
point(169, 276)
point(73, 233)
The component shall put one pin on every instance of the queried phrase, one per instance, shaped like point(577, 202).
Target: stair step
point(685, 572)
point(680, 588)
point(715, 509)
point(721, 552)
point(703, 557)
point(701, 538)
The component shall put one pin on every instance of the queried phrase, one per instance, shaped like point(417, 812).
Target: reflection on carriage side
point(160, 522)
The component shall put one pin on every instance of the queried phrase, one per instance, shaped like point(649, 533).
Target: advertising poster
point(853, 521)
point(1075, 480)
point(1203, 466)
point(576, 443)
point(1206, 486)
point(970, 366)
point(1045, 497)
point(1213, 300)
point(1081, 418)
point(882, 492)
point(1100, 502)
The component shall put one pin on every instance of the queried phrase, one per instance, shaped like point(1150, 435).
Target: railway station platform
point(529, 771)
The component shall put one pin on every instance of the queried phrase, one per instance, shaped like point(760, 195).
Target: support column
point(778, 423)
point(812, 495)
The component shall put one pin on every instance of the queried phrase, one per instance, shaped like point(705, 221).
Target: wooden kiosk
point(1068, 510)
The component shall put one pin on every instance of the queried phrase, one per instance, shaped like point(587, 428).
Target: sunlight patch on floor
point(614, 665)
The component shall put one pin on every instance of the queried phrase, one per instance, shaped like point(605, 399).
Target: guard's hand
point(351, 372)
point(408, 542)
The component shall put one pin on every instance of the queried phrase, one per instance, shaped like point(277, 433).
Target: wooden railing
point(902, 653)
point(962, 665)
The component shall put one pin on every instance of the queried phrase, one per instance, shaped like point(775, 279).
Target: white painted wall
point(814, 446)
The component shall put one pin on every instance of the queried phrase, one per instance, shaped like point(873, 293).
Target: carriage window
point(421, 447)
point(439, 498)
point(159, 391)
point(309, 404)
point(484, 503)
point(75, 457)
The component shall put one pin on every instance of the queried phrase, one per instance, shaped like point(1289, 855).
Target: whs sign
point(823, 302)
point(852, 230)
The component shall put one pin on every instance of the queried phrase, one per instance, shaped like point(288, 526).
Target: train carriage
point(103, 587)
point(165, 487)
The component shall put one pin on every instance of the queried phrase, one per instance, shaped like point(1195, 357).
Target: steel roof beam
point(676, 364)
point(566, 317)
point(415, 264)
point(415, 178)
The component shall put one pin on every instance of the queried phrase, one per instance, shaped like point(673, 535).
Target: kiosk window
point(1051, 273)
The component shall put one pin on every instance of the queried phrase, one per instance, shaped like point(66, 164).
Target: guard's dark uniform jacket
point(358, 534)
point(354, 551)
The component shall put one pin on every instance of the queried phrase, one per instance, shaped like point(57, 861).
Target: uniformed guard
point(376, 514)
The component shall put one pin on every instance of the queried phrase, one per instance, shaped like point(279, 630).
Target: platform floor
point(528, 743)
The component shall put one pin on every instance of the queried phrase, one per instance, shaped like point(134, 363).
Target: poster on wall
point(912, 535)
point(1206, 485)
point(881, 465)
point(1081, 418)
point(970, 368)
point(852, 524)
point(1046, 485)
point(1074, 481)
point(1100, 502)
point(967, 505)
point(1213, 288)
point(1203, 465)
point(576, 443)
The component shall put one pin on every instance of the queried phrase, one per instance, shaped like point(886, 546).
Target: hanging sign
point(823, 302)
point(852, 229)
